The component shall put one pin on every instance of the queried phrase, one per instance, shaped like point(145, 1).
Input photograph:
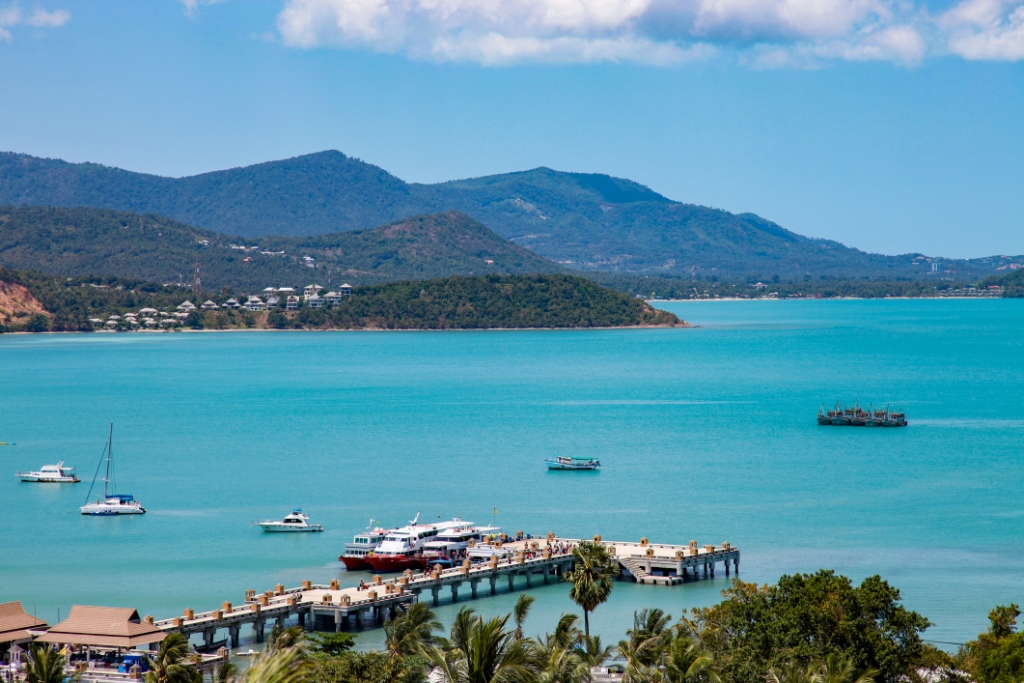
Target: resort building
point(332, 298)
point(230, 303)
point(315, 301)
point(311, 290)
point(291, 303)
point(104, 627)
point(346, 289)
point(273, 302)
point(15, 624)
point(186, 306)
point(254, 304)
point(209, 305)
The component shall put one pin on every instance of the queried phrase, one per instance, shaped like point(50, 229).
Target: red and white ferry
point(361, 546)
point(402, 548)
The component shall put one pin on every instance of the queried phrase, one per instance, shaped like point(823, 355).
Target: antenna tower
point(197, 284)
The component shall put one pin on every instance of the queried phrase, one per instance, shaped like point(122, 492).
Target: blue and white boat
point(560, 462)
point(111, 503)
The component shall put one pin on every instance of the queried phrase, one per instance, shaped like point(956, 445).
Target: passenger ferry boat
point(451, 544)
point(362, 545)
point(51, 474)
point(111, 503)
point(402, 548)
point(296, 521)
point(560, 462)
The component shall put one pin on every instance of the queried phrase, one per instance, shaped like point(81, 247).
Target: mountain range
point(586, 222)
point(103, 242)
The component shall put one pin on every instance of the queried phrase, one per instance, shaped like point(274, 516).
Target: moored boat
point(402, 548)
point(51, 474)
point(858, 417)
point(296, 521)
point(354, 557)
point(111, 503)
point(560, 462)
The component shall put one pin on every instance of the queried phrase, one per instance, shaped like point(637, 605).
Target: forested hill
point(34, 302)
point(81, 241)
point(1012, 283)
point(584, 221)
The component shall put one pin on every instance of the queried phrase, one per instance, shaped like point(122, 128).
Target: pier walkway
point(330, 607)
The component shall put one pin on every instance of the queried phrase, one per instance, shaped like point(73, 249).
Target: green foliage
point(173, 663)
point(484, 651)
point(368, 667)
point(805, 618)
point(90, 242)
point(591, 577)
point(411, 630)
point(996, 656)
point(331, 644)
point(46, 665)
point(1012, 283)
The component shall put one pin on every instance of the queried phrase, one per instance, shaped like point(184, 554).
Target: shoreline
point(368, 329)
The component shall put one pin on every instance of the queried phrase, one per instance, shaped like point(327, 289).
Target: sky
point(893, 126)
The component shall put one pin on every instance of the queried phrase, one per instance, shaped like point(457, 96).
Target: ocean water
point(705, 434)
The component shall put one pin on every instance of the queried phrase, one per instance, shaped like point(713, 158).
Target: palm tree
point(46, 664)
point(172, 663)
point(686, 662)
point(284, 638)
point(285, 665)
point(836, 669)
point(791, 672)
point(593, 652)
point(522, 608)
point(648, 639)
point(227, 673)
point(411, 630)
point(482, 651)
point(591, 577)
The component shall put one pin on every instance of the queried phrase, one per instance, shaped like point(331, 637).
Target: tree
point(285, 665)
point(806, 617)
point(46, 664)
point(648, 639)
point(593, 571)
point(522, 609)
point(331, 644)
point(37, 323)
point(410, 631)
point(172, 663)
point(996, 656)
point(484, 651)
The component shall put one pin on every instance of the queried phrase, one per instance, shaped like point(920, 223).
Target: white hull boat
point(51, 474)
point(112, 503)
point(295, 522)
point(562, 463)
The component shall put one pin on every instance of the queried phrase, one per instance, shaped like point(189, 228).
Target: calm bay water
point(705, 434)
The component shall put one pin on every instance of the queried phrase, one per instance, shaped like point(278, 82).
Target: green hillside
point(82, 241)
point(34, 302)
point(586, 221)
point(1012, 283)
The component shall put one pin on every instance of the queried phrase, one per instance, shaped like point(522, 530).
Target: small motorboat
point(560, 462)
point(248, 653)
point(51, 474)
point(296, 521)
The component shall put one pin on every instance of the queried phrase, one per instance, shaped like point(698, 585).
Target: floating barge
point(858, 417)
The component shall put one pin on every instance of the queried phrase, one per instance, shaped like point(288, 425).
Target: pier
point(332, 608)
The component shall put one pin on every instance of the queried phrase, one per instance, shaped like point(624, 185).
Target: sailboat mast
point(110, 447)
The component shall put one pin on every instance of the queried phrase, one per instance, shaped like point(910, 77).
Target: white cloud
point(986, 29)
point(765, 33)
point(191, 6)
point(12, 15)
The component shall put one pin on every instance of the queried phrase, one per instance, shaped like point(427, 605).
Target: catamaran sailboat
point(111, 503)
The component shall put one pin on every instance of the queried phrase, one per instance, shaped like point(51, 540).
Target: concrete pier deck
point(331, 607)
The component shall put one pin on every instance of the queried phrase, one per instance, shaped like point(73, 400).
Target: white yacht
point(51, 474)
point(111, 503)
point(296, 521)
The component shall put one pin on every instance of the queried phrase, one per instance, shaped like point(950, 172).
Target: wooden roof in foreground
point(15, 622)
point(103, 627)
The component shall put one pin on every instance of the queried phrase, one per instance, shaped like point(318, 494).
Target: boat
point(293, 522)
point(51, 474)
point(858, 417)
point(402, 548)
point(560, 462)
point(111, 503)
point(362, 545)
point(451, 544)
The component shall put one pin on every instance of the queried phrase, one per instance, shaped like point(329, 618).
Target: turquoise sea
point(705, 434)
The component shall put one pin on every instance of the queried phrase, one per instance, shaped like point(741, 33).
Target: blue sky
point(890, 125)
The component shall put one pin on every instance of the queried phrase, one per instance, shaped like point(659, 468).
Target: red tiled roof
point(15, 622)
point(103, 626)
